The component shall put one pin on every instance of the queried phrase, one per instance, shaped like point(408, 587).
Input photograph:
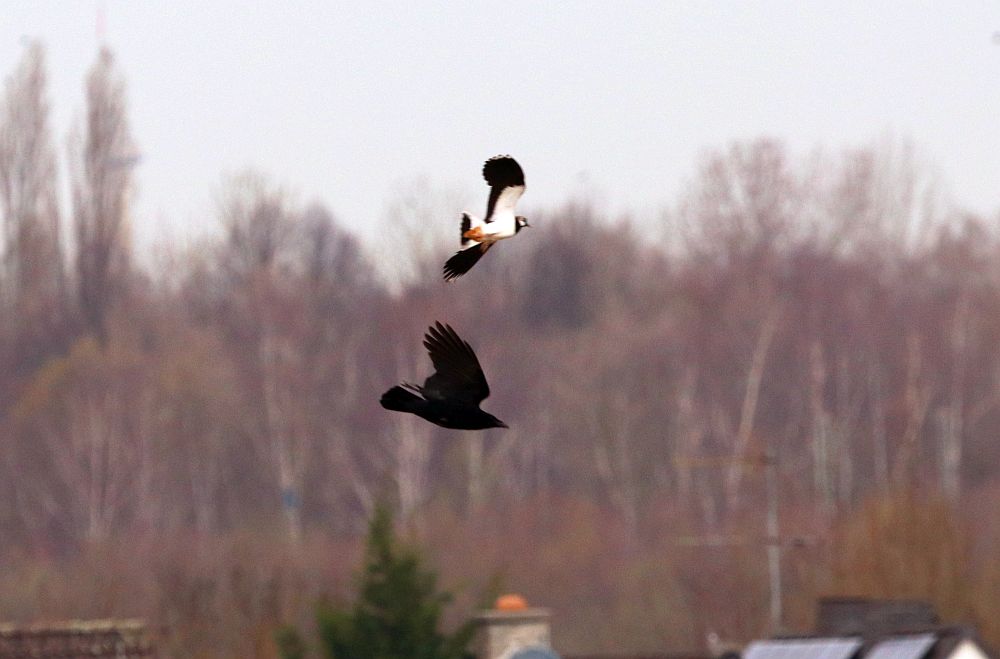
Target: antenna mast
point(99, 23)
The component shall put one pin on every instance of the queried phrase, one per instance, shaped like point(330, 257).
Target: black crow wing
point(506, 179)
point(458, 378)
point(462, 261)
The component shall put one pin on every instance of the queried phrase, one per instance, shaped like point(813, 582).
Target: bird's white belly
point(501, 227)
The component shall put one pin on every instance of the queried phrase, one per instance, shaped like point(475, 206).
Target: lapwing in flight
point(506, 180)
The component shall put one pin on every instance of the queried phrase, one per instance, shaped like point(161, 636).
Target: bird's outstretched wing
point(506, 179)
point(458, 378)
point(462, 261)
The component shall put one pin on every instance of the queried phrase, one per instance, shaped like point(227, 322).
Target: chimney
point(512, 629)
point(858, 616)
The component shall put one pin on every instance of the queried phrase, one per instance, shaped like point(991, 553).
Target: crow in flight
point(451, 397)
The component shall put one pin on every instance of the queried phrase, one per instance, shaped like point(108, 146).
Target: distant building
point(512, 630)
point(846, 628)
point(91, 639)
point(855, 628)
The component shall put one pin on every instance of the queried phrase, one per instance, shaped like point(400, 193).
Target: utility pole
point(770, 463)
point(771, 539)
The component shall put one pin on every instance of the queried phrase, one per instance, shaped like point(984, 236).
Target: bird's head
point(521, 222)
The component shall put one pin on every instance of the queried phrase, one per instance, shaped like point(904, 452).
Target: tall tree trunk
point(748, 410)
point(951, 435)
point(917, 397)
point(880, 443)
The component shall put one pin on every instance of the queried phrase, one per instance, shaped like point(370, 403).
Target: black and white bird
point(506, 179)
point(451, 396)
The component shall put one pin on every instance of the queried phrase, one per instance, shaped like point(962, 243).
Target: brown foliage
point(914, 545)
point(829, 312)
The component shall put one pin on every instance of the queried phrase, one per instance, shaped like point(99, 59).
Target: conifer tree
point(397, 614)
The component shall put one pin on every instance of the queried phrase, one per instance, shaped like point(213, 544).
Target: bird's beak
point(502, 424)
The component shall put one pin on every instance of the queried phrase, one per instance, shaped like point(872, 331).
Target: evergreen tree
point(290, 643)
point(398, 610)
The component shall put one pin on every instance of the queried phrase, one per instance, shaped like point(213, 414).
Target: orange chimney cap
point(511, 602)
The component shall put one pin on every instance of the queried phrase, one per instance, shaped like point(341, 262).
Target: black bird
point(506, 179)
point(451, 397)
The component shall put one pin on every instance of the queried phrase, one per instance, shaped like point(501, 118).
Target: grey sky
point(346, 102)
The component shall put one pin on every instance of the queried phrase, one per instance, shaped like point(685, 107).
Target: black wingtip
point(463, 260)
point(503, 171)
point(444, 335)
point(442, 328)
point(436, 333)
point(499, 156)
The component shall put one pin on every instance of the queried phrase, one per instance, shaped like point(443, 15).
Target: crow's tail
point(400, 400)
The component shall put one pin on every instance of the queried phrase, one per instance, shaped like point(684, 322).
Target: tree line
point(835, 311)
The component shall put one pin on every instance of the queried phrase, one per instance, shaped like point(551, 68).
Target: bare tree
point(102, 183)
point(748, 200)
point(414, 209)
point(338, 287)
point(265, 315)
point(33, 265)
point(953, 416)
point(751, 394)
point(614, 444)
point(87, 409)
point(917, 395)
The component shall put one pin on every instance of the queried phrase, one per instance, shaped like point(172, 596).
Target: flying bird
point(506, 180)
point(451, 396)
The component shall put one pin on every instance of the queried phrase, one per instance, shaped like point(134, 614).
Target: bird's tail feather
point(466, 225)
point(400, 400)
point(468, 222)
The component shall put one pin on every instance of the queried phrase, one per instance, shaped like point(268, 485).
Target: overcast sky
point(347, 102)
